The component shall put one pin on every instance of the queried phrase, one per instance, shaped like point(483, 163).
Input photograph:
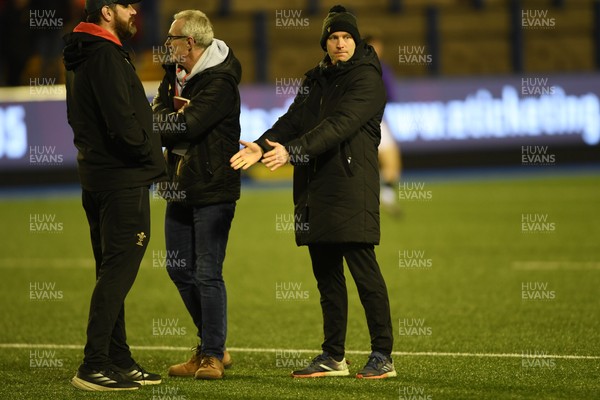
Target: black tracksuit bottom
point(120, 230)
point(328, 268)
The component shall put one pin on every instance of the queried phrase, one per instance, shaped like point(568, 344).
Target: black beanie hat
point(339, 20)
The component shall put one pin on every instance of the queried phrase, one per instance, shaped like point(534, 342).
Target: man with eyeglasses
point(200, 137)
point(119, 157)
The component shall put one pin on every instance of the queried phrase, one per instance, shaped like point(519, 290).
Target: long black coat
point(332, 130)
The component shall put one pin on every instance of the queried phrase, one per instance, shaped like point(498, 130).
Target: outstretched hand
point(246, 157)
point(276, 157)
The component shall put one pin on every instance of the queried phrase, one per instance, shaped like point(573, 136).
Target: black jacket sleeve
point(163, 110)
point(359, 103)
point(288, 126)
point(206, 109)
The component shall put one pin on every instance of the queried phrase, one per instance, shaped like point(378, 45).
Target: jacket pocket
point(206, 168)
point(346, 159)
point(197, 166)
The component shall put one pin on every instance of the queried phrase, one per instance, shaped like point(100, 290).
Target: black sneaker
point(378, 367)
point(323, 365)
point(137, 374)
point(101, 380)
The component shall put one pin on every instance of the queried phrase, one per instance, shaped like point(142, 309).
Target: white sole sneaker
point(92, 387)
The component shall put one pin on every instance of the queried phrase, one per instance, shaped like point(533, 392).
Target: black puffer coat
point(332, 130)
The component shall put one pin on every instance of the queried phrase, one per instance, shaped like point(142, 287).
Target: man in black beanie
point(335, 122)
point(339, 20)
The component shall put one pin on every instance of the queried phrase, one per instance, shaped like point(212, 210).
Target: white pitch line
point(78, 263)
point(556, 265)
point(47, 262)
point(311, 351)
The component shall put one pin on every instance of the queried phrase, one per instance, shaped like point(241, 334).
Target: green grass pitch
point(493, 286)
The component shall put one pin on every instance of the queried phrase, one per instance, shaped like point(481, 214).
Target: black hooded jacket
point(210, 128)
point(109, 113)
point(332, 130)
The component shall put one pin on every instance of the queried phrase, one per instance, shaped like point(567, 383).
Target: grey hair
point(196, 25)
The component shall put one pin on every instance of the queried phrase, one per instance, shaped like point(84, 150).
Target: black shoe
point(101, 380)
point(378, 367)
point(137, 374)
point(323, 365)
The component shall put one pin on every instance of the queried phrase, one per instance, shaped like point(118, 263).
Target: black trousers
point(120, 230)
point(328, 268)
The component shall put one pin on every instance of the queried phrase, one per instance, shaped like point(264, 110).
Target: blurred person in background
point(331, 133)
point(119, 157)
point(48, 43)
point(200, 138)
point(390, 162)
point(16, 37)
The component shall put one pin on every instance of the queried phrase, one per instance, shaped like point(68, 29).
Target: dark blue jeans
point(196, 239)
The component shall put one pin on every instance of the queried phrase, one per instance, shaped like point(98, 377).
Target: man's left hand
point(276, 157)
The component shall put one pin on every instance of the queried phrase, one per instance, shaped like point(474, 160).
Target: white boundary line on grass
point(555, 265)
point(313, 351)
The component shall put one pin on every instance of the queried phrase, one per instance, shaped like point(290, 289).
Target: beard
point(125, 29)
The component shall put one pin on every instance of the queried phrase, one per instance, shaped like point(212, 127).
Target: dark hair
point(96, 16)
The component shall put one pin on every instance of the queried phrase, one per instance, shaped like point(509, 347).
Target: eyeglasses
point(173, 37)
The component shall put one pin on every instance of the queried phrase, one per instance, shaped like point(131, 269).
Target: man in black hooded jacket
point(119, 157)
point(330, 133)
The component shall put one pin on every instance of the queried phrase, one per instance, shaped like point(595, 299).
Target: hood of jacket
point(85, 39)
point(214, 55)
point(219, 60)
